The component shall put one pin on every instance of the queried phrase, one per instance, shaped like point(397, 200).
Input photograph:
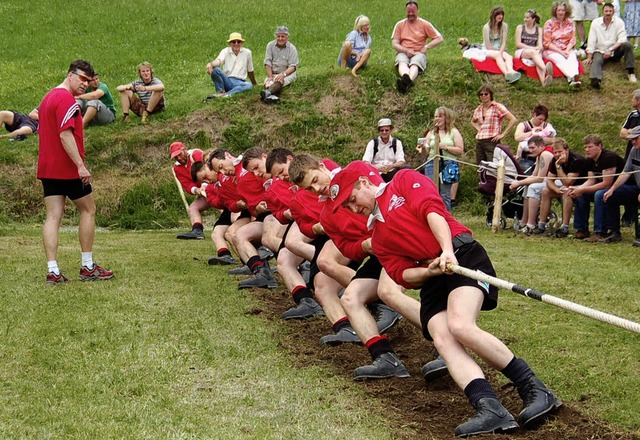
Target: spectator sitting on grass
point(96, 103)
point(494, 34)
point(281, 63)
point(143, 96)
point(230, 69)
point(355, 50)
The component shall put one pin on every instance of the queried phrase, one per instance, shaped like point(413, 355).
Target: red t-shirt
point(305, 210)
point(58, 112)
point(228, 193)
point(183, 172)
point(278, 197)
point(404, 240)
point(251, 189)
point(346, 229)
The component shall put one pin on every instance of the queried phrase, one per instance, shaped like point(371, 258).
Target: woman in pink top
point(559, 40)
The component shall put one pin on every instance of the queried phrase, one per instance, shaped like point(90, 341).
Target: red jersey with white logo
point(404, 238)
point(183, 172)
point(251, 189)
point(211, 191)
point(58, 112)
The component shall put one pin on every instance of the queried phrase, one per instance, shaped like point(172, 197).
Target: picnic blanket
point(490, 66)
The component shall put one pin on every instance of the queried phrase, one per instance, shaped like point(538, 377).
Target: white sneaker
point(632, 78)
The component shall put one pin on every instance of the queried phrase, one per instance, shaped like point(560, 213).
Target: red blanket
point(490, 66)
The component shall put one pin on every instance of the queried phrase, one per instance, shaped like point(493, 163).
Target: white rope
point(549, 299)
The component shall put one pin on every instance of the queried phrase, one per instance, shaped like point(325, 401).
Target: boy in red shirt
point(182, 170)
point(415, 238)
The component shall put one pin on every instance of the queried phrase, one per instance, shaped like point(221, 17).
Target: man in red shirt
point(63, 173)
point(182, 169)
point(415, 237)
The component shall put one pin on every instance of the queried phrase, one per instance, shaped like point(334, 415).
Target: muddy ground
point(417, 409)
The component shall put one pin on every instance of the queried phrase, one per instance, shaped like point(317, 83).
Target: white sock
point(87, 260)
point(53, 267)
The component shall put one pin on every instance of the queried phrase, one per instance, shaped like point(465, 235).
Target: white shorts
point(584, 11)
point(534, 190)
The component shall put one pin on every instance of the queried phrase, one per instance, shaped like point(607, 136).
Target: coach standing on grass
point(63, 173)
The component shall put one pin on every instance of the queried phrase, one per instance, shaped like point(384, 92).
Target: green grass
point(167, 348)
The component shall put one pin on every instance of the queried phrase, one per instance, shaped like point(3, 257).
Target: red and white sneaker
point(96, 274)
point(53, 279)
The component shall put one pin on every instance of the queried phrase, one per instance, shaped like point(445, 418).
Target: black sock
point(517, 371)
point(198, 226)
point(255, 263)
point(223, 251)
point(479, 389)
point(340, 324)
point(378, 345)
point(300, 292)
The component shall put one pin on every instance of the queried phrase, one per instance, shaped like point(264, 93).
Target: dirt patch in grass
point(417, 410)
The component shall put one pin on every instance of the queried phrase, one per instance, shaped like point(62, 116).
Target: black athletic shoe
point(307, 308)
point(242, 270)
point(490, 417)
point(265, 94)
point(346, 334)
point(538, 401)
point(400, 86)
point(265, 253)
point(384, 366)
point(434, 370)
point(595, 83)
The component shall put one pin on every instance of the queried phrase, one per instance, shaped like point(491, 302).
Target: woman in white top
point(451, 147)
point(529, 46)
point(495, 42)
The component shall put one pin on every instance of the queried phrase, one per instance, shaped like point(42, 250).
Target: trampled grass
point(167, 349)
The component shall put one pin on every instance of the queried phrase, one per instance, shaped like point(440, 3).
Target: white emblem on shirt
point(395, 202)
point(416, 185)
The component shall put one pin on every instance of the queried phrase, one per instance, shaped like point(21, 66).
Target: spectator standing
point(487, 121)
point(632, 20)
point(63, 173)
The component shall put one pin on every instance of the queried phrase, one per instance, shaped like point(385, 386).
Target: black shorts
point(284, 236)
point(318, 243)
point(74, 189)
point(260, 218)
point(435, 293)
point(22, 120)
point(370, 270)
point(224, 219)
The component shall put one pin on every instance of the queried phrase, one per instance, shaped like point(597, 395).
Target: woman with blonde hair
point(449, 140)
point(529, 46)
point(355, 50)
point(495, 42)
point(559, 41)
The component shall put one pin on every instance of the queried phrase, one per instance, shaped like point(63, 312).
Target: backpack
point(394, 145)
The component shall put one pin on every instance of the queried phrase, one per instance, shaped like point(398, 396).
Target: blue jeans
point(445, 188)
point(582, 208)
point(626, 195)
point(229, 84)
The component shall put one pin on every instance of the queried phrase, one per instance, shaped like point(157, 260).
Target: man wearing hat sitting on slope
point(230, 70)
point(281, 63)
point(385, 152)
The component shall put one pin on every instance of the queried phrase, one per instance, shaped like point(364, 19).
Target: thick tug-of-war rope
point(549, 299)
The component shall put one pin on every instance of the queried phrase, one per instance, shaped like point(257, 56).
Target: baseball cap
point(634, 133)
point(281, 30)
point(235, 36)
point(385, 122)
point(175, 148)
point(342, 183)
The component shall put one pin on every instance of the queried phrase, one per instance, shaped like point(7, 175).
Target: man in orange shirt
point(410, 41)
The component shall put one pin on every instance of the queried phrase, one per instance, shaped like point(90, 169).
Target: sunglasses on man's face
point(82, 77)
point(236, 42)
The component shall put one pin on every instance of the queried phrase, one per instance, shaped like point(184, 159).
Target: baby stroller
point(513, 201)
